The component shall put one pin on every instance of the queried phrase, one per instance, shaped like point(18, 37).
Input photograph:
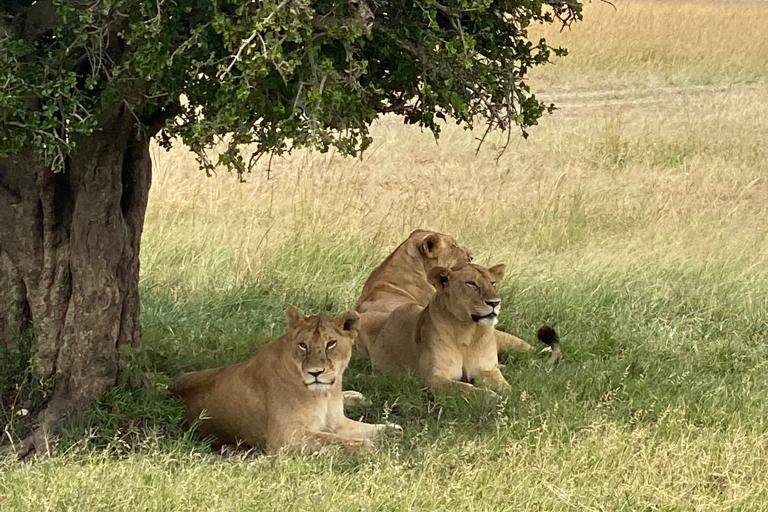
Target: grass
point(633, 219)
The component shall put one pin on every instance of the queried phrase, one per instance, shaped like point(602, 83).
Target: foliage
point(271, 75)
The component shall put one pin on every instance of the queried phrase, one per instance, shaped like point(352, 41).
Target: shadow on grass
point(630, 358)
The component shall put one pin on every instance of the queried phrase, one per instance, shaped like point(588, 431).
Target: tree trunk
point(14, 310)
point(69, 265)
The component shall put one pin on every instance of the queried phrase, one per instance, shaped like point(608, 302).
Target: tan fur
point(402, 279)
point(272, 401)
point(450, 342)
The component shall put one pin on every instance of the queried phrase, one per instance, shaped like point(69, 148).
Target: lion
point(287, 395)
point(450, 343)
point(402, 279)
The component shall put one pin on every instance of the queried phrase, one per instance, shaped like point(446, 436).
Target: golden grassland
point(651, 155)
point(633, 219)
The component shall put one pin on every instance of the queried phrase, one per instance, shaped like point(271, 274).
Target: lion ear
point(429, 245)
point(497, 271)
point(439, 277)
point(349, 321)
point(294, 316)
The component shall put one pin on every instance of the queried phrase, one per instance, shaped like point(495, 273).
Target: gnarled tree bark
point(69, 251)
point(14, 310)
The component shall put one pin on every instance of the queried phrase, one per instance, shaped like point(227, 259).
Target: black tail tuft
point(548, 335)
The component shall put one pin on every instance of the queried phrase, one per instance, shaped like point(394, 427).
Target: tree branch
point(247, 42)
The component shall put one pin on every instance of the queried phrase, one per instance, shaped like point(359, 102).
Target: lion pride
point(287, 395)
point(402, 279)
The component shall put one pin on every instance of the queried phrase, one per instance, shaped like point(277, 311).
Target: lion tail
point(548, 336)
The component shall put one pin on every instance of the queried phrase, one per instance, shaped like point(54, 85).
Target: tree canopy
point(265, 76)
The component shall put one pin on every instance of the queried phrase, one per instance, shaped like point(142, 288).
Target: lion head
point(321, 346)
point(439, 250)
point(469, 292)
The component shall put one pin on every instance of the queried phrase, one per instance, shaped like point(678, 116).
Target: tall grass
point(656, 43)
point(633, 219)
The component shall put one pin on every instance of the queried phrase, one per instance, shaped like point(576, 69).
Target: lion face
point(321, 346)
point(469, 292)
point(439, 250)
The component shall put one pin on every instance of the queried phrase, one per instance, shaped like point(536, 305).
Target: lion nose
point(315, 373)
point(493, 302)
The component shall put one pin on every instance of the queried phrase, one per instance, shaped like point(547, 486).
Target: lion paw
point(354, 399)
point(391, 429)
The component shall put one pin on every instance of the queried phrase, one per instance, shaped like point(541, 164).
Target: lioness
point(450, 343)
point(288, 394)
point(402, 279)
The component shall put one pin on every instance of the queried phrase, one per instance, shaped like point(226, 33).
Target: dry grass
point(634, 219)
point(682, 179)
point(652, 44)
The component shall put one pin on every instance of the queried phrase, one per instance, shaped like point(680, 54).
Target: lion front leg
point(307, 441)
point(446, 385)
point(358, 429)
point(493, 379)
point(506, 342)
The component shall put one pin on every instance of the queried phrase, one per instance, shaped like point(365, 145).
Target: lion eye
point(472, 284)
point(303, 346)
point(330, 344)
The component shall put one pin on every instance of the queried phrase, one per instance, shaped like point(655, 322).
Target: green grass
point(659, 405)
point(633, 220)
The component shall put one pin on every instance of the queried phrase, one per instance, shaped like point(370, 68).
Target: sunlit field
point(633, 219)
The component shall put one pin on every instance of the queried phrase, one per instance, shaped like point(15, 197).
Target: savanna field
point(634, 219)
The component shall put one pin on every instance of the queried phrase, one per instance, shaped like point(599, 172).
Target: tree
point(86, 84)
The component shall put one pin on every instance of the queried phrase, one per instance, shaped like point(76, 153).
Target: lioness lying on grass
point(287, 395)
point(402, 279)
point(450, 344)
